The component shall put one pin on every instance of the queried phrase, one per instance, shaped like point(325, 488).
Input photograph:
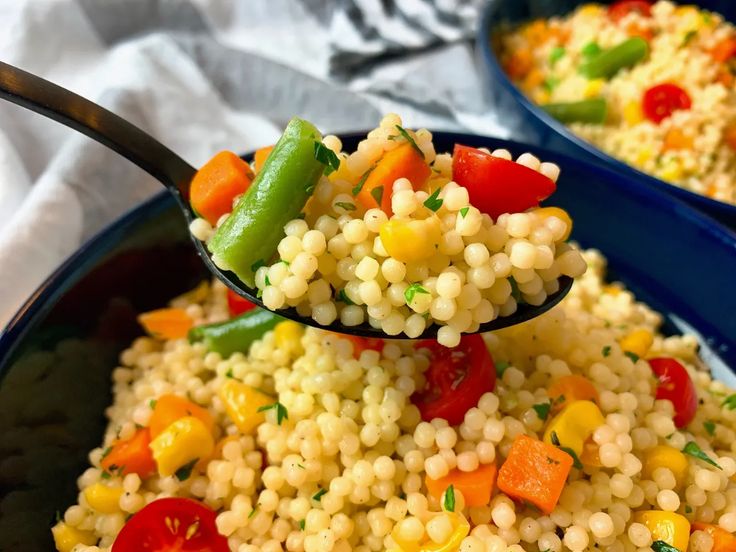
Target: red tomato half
point(663, 100)
point(238, 305)
point(456, 379)
point(675, 386)
point(171, 525)
point(496, 185)
point(618, 10)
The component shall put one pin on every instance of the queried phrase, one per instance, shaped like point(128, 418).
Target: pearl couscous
point(651, 83)
point(589, 431)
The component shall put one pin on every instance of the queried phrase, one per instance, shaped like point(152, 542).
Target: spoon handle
point(70, 109)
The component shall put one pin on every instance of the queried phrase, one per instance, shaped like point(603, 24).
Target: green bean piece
point(236, 334)
point(586, 111)
point(607, 63)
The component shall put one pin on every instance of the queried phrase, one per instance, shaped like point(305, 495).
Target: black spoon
point(70, 109)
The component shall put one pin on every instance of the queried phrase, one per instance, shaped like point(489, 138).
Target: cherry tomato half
point(238, 305)
point(618, 10)
point(496, 185)
point(171, 525)
point(456, 379)
point(663, 100)
point(675, 385)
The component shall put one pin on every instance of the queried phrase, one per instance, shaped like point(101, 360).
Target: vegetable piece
point(693, 449)
point(476, 486)
point(674, 384)
point(217, 184)
point(519, 63)
point(170, 408)
point(237, 334)
point(455, 380)
point(242, 403)
point(167, 323)
point(288, 336)
point(729, 136)
point(723, 541)
point(663, 456)
point(556, 54)
point(238, 305)
point(184, 441)
point(622, 8)
point(546, 212)
point(460, 529)
point(662, 100)
point(724, 49)
point(260, 156)
point(131, 456)
point(585, 111)
point(567, 389)
point(171, 524)
point(281, 412)
point(638, 342)
point(103, 498)
point(669, 527)
point(573, 425)
point(278, 194)
point(534, 471)
point(401, 162)
point(66, 537)
point(411, 240)
point(675, 139)
point(607, 63)
point(496, 185)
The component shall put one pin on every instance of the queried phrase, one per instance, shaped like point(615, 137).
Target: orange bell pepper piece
point(170, 408)
point(571, 388)
point(260, 156)
point(167, 323)
point(131, 456)
point(217, 183)
point(729, 136)
point(724, 49)
point(723, 541)
point(675, 139)
point(476, 486)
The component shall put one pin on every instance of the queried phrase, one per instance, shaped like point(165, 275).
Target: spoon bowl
point(70, 109)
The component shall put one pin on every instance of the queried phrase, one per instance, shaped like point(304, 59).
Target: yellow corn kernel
point(411, 240)
point(185, 440)
point(574, 424)
point(644, 155)
point(591, 9)
point(672, 171)
point(103, 498)
point(638, 342)
point(663, 456)
point(242, 403)
point(540, 96)
point(593, 88)
point(612, 289)
point(288, 337)
point(669, 527)
point(67, 537)
point(546, 212)
point(633, 114)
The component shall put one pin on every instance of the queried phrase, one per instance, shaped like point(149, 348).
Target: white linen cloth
point(206, 75)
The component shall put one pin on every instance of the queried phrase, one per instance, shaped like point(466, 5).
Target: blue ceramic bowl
point(533, 125)
point(57, 353)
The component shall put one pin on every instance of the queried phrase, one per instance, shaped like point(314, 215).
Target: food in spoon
point(393, 234)
point(651, 83)
point(582, 429)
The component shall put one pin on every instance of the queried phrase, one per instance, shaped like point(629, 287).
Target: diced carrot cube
point(476, 486)
point(217, 184)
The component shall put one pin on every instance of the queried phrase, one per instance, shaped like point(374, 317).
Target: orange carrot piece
point(571, 388)
point(260, 156)
point(676, 139)
point(476, 486)
point(169, 408)
point(723, 541)
point(401, 162)
point(131, 456)
point(519, 64)
point(724, 49)
point(217, 183)
point(166, 323)
point(534, 471)
point(729, 136)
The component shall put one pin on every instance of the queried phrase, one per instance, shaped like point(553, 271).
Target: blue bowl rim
point(491, 61)
point(43, 299)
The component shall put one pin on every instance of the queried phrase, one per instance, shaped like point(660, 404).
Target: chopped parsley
point(501, 368)
point(267, 281)
point(412, 290)
point(558, 400)
point(229, 373)
point(689, 37)
point(107, 451)
point(464, 211)
point(377, 194)
point(409, 139)
point(301, 466)
point(327, 157)
point(449, 502)
point(318, 495)
point(342, 296)
point(556, 54)
point(345, 205)
point(183, 473)
point(252, 513)
point(281, 412)
point(688, 510)
point(710, 427)
point(359, 186)
point(661, 546)
point(730, 402)
point(301, 524)
point(433, 202)
point(695, 451)
point(575, 460)
point(542, 410)
point(550, 83)
point(105, 475)
point(633, 356)
point(256, 265)
point(606, 351)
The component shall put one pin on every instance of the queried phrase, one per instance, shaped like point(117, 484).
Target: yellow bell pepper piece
point(669, 527)
point(672, 171)
point(185, 440)
point(103, 498)
point(638, 342)
point(460, 526)
point(67, 537)
point(242, 403)
point(593, 88)
point(663, 456)
point(411, 240)
point(546, 212)
point(632, 113)
point(574, 424)
point(591, 9)
point(288, 337)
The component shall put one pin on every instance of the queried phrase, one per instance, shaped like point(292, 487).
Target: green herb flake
point(695, 451)
point(689, 36)
point(256, 265)
point(252, 513)
point(590, 49)
point(412, 290)
point(267, 281)
point(707, 18)
point(345, 205)
point(464, 211)
point(661, 546)
point(229, 373)
point(449, 502)
point(730, 402)
point(183, 473)
point(633, 356)
point(559, 400)
point(542, 410)
point(556, 54)
point(105, 475)
point(606, 351)
point(409, 139)
point(501, 367)
point(327, 157)
point(377, 194)
point(107, 451)
point(301, 466)
point(710, 427)
point(301, 524)
point(359, 186)
point(319, 494)
point(575, 460)
point(688, 510)
point(281, 412)
point(550, 83)
point(342, 296)
point(152, 404)
point(433, 203)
